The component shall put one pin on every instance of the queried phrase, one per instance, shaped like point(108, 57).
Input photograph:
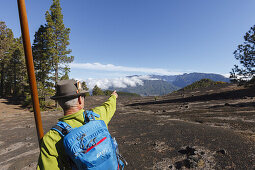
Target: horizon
point(128, 81)
point(117, 39)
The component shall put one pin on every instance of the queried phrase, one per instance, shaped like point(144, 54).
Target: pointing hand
point(115, 94)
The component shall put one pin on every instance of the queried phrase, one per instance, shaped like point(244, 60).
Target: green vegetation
point(50, 55)
point(97, 91)
point(202, 84)
point(50, 52)
point(84, 86)
point(108, 92)
point(57, 40)
point(245, 54)
point(13, 79)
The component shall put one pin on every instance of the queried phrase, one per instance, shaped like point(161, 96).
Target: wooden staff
point(30, 67)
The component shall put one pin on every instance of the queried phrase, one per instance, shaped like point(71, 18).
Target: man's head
point(72, 103)
point(69, 95)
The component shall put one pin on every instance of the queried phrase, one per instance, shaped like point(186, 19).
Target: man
point(70, 97)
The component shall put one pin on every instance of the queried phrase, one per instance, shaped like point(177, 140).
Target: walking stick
point(30, 67)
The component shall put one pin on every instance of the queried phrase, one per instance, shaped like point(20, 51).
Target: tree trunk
point(15, 81)
point(56, 80)
point(2, 81)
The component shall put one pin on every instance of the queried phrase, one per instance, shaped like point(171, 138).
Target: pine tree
point(65, 76)
point(108, 92)
point(58, 40)
point(42, 64)
point(16, 68)
point(245, 53)
point(41, 57)
point(84, 86)
point(97, 91)
point(6, 40)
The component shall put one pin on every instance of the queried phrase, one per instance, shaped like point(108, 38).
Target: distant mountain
point(165, 84)
point(150, 88)
point(170, 78)
point(181, 81)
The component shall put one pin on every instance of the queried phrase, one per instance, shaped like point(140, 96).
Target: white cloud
point(226, 75)
point(113, 68)
point(122, 82)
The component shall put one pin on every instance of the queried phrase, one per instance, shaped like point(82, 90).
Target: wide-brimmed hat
point(68, 89)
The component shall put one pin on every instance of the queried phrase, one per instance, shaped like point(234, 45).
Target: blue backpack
point(91, 145)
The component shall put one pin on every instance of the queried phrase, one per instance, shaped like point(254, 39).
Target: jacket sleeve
point(106, 110)
point(48, 158)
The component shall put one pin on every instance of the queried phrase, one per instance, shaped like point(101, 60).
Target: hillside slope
point(203, 83)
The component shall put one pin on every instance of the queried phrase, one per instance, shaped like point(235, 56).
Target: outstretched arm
point(107, 109)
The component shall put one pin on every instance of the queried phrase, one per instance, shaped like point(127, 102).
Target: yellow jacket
point(52, 152)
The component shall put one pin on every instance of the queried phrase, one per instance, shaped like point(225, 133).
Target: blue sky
point(115, 38)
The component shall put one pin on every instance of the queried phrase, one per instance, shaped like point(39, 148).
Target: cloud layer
point(113, 68)
point(122, 82)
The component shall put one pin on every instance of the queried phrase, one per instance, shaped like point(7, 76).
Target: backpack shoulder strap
point(62, 128)
point(90, 115)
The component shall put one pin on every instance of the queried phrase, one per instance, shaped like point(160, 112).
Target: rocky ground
point(211, 128)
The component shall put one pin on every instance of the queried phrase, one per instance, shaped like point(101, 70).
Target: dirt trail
point(205, 129)
point(18, 142)
point(9, 110)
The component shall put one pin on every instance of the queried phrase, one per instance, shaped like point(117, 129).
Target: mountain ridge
point(164, 84)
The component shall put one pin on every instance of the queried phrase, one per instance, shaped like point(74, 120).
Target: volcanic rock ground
point(211, 128)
